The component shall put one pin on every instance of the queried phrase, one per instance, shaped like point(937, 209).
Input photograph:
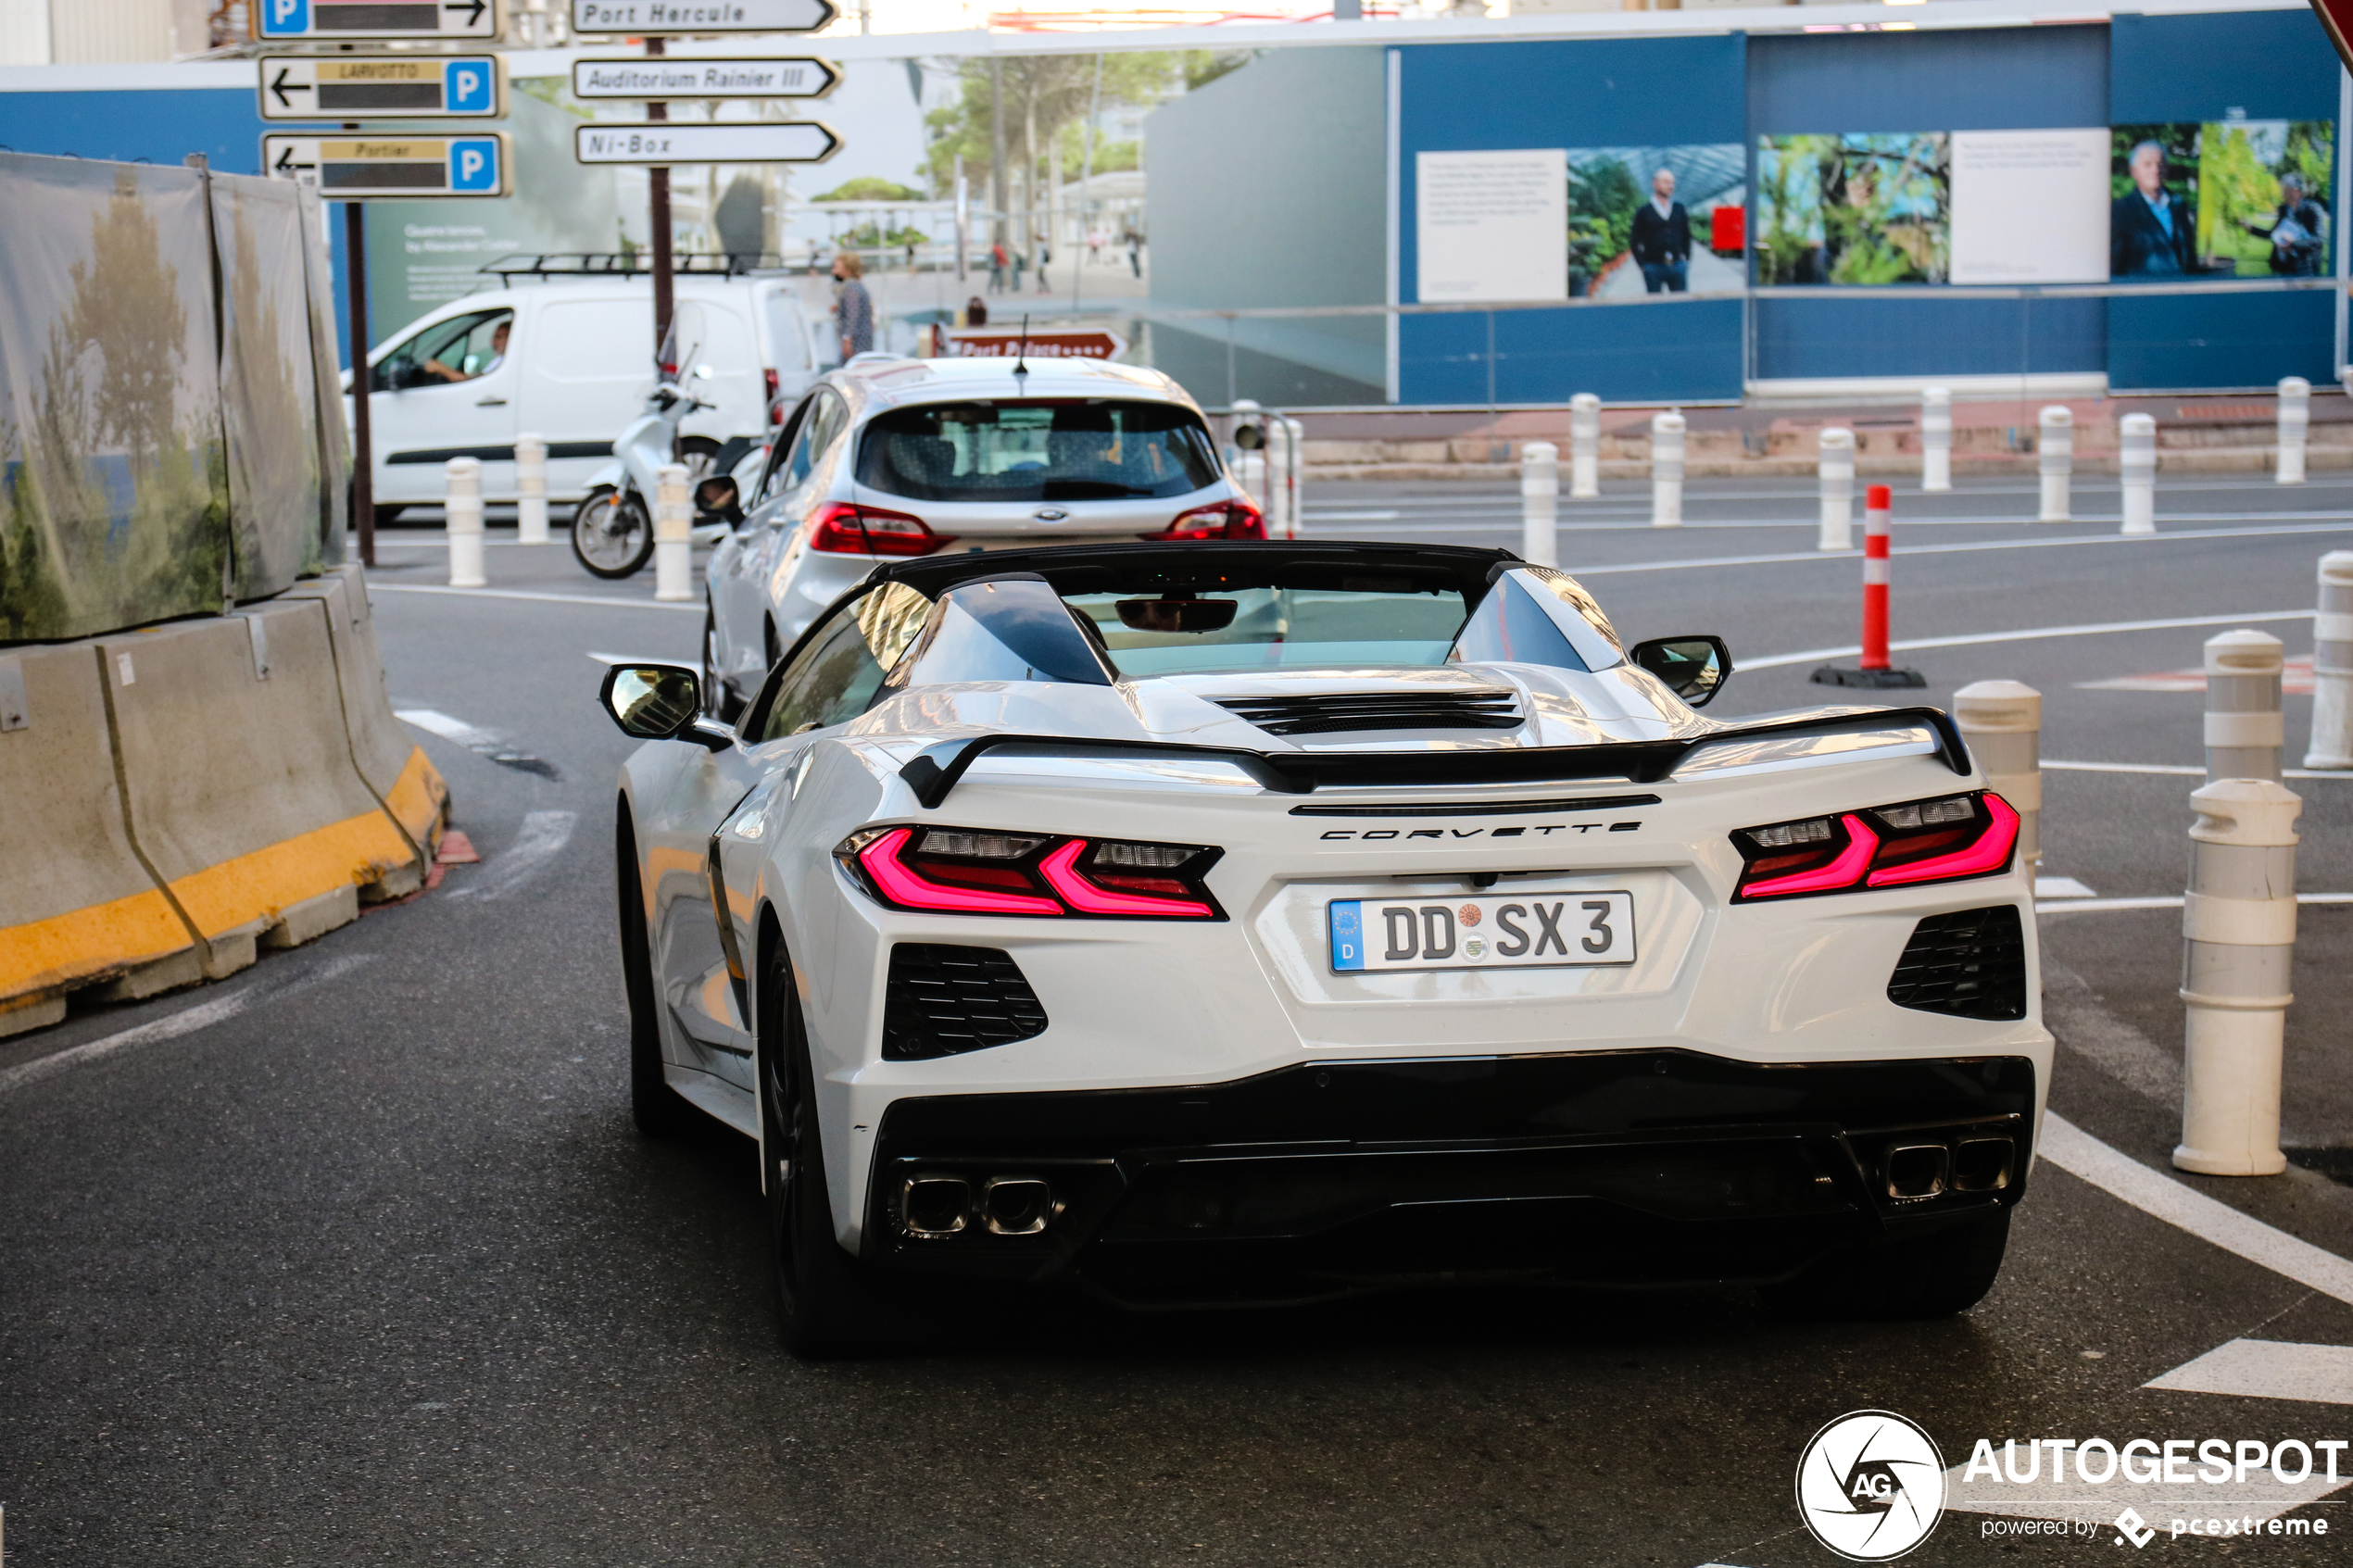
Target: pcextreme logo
point(1871, 1485)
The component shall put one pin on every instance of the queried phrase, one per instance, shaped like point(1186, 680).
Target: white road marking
point(1970, 548)
point(2029, 635)
point(482, 743)
point(2086, 1158)
point(2094, 906)
point(598, 600)
point(203, 1015)
point(2267, 1368)
point(2182, 769)
point(540, 840)
point(2060, 887)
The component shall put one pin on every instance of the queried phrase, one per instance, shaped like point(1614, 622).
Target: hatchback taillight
point(984, 871)
point(1948, 839)
point(1235, 518)
point(775, 408)
point(844, 528)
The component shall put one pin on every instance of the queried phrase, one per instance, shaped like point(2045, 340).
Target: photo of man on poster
point(1661, 238)
point(2152, 230)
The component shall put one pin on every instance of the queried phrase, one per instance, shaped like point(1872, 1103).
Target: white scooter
point(612, 529)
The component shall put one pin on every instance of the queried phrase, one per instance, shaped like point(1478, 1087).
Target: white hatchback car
point(890, 457)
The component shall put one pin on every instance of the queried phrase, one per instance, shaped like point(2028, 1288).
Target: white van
point(570, 360)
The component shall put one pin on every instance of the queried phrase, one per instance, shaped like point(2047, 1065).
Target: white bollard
point(2238, 936)
point(1666, 471)
point(461, 504)
point(2331, 745)
point(1837, 471)
point(1936, 439)
point(2296, 421)
point(2136, 465)
point(531, 490)
point(2056, 446)
point(1294, 472)
point(673, 535)
point(1539, 495)
point(2244, 729)
point(1249, 473)
point(2002, 720)
point(1584, 446)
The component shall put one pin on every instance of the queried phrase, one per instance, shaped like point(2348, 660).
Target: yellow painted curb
point(81, 943)
point(353, 852)
point(416, 800)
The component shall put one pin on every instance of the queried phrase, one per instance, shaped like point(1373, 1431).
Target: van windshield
point(1060, 450)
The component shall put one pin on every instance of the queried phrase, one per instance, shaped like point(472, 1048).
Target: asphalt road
point(356, 1258)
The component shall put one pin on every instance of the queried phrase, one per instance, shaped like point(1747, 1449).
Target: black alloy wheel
point(659, 1111)
point(828, 1303)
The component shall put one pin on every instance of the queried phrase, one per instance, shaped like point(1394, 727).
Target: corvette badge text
point(1365, 835)
point(1872, 1484)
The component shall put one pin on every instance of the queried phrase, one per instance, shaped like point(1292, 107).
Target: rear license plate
point(1506, 931)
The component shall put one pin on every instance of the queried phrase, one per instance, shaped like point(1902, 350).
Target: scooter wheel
point(611, 535)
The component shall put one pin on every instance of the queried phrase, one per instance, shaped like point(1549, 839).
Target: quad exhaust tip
point(1930, 1170)
point(934, 1205)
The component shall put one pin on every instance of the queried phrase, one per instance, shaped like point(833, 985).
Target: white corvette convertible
point(1215, 924)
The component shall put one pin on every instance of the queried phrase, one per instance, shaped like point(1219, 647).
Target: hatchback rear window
point(1063, 449)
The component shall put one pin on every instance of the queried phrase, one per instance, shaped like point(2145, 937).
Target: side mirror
point(718, 500)
point(702, 373)
point(1250, 438)
point(662, 702)
point(1694, 668)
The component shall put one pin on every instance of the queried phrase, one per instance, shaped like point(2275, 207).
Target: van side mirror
point(662, 702)
point(1694, 668)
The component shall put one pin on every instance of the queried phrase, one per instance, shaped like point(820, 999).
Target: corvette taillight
point(1234, 519)
point(843, 527)
point(983, 872)
point(1948, 839)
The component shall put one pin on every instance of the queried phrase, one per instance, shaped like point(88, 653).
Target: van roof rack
point(629, 264)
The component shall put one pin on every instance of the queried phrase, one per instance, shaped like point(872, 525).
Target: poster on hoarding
point(1855, 209)
point(2029, 206)
point(2240, 198)
point(1492, 226)
point(1641, 219)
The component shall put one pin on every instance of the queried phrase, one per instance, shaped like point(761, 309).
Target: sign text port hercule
point(638, 19)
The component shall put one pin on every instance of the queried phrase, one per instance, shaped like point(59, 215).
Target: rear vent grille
point(1324, 712)
point(1971, 963)
point(942, 999)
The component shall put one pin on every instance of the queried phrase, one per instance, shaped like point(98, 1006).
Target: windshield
point(1062, 449)
point(1274, 628)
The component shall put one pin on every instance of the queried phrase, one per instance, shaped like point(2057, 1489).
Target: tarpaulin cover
point(334, 437)
point(114, 488)
point(268, 383)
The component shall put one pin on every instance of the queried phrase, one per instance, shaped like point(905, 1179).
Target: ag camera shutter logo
point(1871, 1485)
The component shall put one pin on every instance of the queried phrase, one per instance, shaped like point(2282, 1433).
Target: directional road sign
point(382, 87)
point(352, 167)
point(671, 77)
point(800, 141)
point(639, 18)
point(356, 21)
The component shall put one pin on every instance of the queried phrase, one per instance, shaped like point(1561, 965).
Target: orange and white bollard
point(1876, 668)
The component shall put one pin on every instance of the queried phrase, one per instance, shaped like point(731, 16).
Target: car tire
point(388, 516)
point(658, 1110)
point(719, 699)
point(1936, 1275)
point(611, 536)
point(828, 1303)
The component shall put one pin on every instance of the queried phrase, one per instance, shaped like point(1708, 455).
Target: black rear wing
point(933, 772)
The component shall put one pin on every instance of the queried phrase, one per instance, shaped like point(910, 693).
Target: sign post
point(652, 19)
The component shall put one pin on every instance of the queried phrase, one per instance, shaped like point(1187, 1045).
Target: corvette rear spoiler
point(934, 772)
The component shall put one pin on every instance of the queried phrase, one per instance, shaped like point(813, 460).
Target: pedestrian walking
point(1021, 259)
point(1135, 243)
point(853, 307)
point(996, 266)
point(1045, 258)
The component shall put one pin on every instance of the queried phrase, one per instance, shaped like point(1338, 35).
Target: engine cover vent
point(1971, 963)
point(940, 1000)
point(1313, 713)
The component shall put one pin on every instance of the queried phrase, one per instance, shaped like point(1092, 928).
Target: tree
point(1044, 93)
point(871, 188)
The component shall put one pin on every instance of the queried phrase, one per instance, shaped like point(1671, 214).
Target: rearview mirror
point(661, 702)
point(1694, 668)
point(1176, 615)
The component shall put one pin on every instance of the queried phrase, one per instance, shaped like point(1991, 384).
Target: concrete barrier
point(386, 754)
point(241, 789)
point(77, 908)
